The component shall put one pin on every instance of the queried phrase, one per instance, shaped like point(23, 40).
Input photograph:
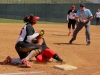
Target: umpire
point(84, 15)
point(71, 19)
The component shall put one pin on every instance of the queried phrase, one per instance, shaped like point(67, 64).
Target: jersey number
point(21, 31)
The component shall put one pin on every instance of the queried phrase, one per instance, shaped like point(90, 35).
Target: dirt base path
point(86, 58)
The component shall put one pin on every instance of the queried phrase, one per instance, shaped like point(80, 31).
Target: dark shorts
point(71, 22)
point(45, 55)
point(23, 48)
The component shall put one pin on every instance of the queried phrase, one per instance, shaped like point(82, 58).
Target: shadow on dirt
point(68, 44)
point(1, 63)
point(60, 34)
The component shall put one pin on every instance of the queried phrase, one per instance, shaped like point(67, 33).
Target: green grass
point(2, 20)
point(10, 21)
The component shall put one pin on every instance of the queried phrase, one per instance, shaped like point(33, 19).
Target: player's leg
point(33, 53)
point(45, 55)
point(73, 26)
point(97, 21)
point(87, 27)
point(27, 47)
point(69, 27)
point(78, 28)
point(56, 57)
point(23, 49)
point(22, 55)
point(40, 58)
point(10, 60)
point(48, 54)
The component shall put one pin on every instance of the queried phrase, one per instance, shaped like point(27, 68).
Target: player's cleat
point(69, 33)
point(62, 62)
point(26, 63)
point(70, 42)
point(7, 60)
point(88, 44)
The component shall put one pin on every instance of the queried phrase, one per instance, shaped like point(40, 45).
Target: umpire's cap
point(82, 5)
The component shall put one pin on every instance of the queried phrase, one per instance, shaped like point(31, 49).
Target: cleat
point(62, 62)
point(7, 60)
point(26, 63)
point(88, 44)
point(70, 42)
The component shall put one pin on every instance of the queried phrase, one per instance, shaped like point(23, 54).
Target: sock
point(73, 31)
point(55, 56)
point(33, 53)
point(16, 60)
point(69, 30)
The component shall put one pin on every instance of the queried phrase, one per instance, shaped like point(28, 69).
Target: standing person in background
point(97, 15)
point(71, 19)
point(84, 15)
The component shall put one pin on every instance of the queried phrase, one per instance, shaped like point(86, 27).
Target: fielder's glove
point(41, 32)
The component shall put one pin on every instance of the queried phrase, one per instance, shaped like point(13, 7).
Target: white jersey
point(22, 34)
point(71, 14)
point(27, 33)
point(97, 14)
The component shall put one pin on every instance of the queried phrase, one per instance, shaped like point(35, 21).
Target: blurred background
point(48, 10)
point(49, 1)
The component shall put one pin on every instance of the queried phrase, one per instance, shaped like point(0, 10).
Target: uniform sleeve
point(69, 12)
point(30, 30)
point(31, 33)
point(67, 16)
point(77, 13)
point(90, 14)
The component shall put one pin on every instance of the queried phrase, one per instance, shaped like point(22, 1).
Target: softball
point(41, 32)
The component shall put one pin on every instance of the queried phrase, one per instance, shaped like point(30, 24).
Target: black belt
point(72, 19)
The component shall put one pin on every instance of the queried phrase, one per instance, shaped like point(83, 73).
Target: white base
point(65, 67)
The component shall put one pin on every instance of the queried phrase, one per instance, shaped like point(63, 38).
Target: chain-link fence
point(48, 10)
point(44, 1)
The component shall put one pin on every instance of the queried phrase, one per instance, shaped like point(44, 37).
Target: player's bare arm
point(40, 41)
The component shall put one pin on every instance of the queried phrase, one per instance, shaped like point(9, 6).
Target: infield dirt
point(86, 58)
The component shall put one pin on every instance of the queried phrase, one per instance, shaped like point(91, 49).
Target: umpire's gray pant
point(79, 27)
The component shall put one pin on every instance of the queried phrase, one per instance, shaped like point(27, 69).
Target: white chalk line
point(34, 72)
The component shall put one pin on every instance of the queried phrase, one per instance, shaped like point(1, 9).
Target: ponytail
point(27, 19)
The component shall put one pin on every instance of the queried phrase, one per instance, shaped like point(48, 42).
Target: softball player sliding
point(41, 56)
point(47, 53)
